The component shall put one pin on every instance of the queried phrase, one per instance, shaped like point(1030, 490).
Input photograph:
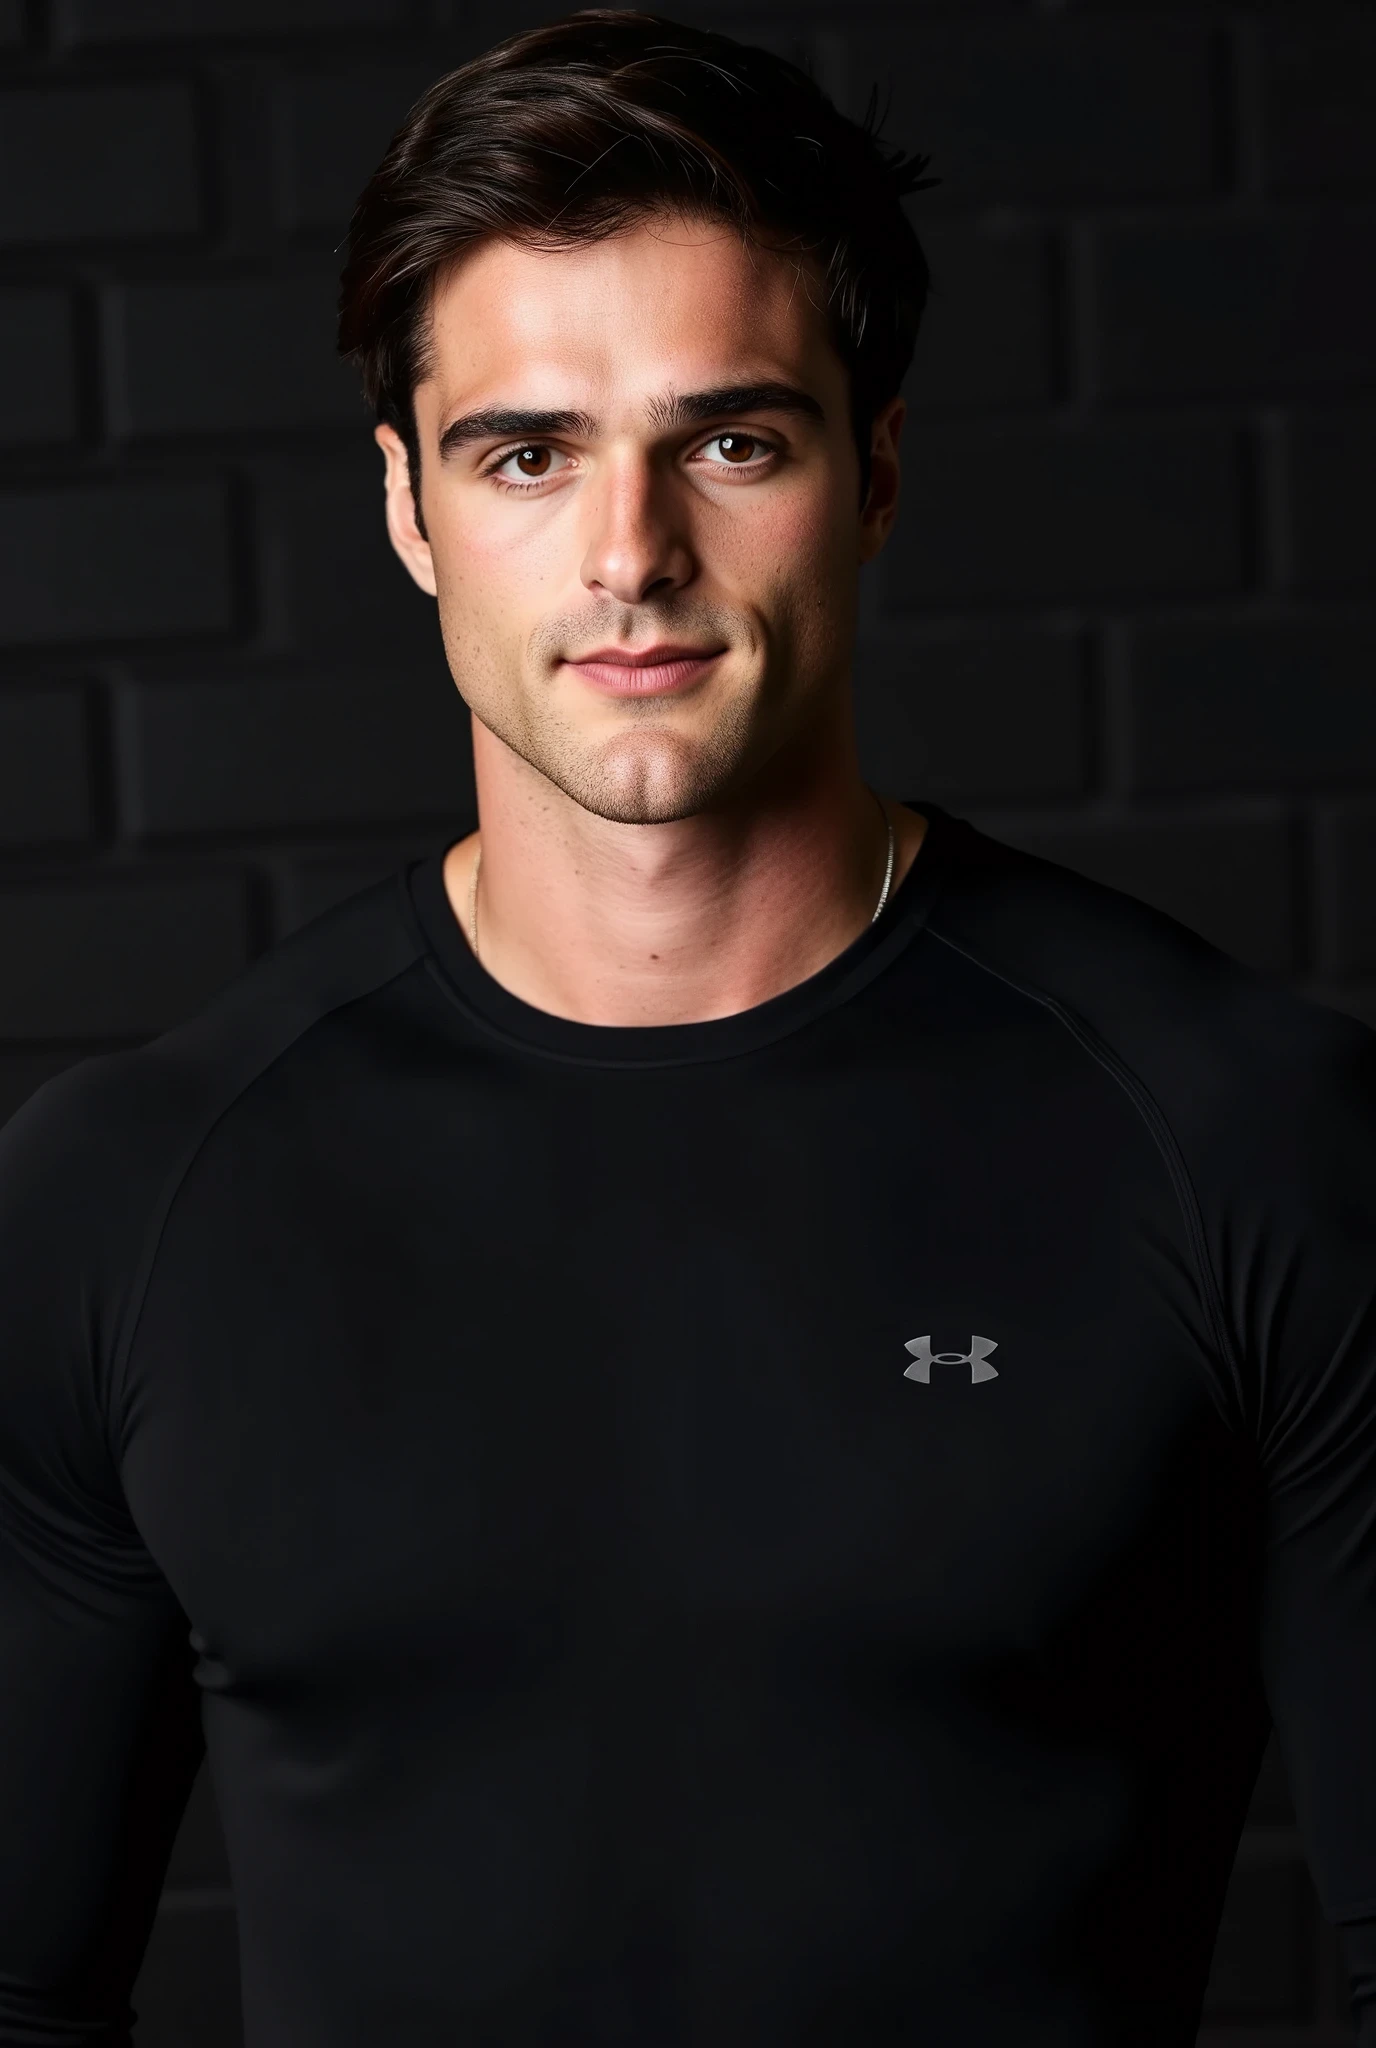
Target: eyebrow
point(680, 409)
point(687, 408)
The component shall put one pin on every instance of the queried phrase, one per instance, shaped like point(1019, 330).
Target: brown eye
point(532, 461)
point(737, 447)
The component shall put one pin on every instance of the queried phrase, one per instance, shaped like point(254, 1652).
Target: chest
point(766, 1363)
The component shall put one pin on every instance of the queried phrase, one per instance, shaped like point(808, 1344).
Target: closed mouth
point(630, 672)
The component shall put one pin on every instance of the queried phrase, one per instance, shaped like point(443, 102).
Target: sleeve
point(100, 1732)
point(1298, 1261)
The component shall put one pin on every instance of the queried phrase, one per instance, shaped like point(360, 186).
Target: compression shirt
point(779, 1532)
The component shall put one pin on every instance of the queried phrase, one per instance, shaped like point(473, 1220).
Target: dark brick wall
point(1127, 619)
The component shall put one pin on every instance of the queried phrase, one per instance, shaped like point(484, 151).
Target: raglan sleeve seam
point(1163, 1136)
point(171, 1188)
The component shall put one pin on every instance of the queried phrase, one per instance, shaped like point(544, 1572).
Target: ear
point(403, 532)
point(881, 505)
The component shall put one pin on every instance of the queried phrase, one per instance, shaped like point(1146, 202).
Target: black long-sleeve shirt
point(780, 1532)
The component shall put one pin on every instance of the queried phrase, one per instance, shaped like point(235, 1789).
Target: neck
point(671, 924)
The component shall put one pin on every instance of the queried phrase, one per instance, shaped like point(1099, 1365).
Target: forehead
point(663, 304)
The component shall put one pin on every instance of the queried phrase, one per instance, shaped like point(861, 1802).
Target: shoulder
point(1262, 1102)
point(1194, 1024)
point(86, 1162)
point(339, 957)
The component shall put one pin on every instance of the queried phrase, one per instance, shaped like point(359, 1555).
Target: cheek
point(779, 549)
point(807, 527)
point(815, 583)
point(487, 600)
point(488, 558)
point(495, 578)
point(486, 547)
point(801, 548)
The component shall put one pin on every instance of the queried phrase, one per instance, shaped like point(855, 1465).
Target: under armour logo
point(924, 1358)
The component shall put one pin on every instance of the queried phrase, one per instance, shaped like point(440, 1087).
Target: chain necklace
point(883, 893)
point(888, 864)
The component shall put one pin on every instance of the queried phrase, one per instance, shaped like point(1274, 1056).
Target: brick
point(45, 792)
point(979, 715)
point(117, 959)
point(116, 161)
point(227, 356)
point(1332, 509)
point(198, 1859)
point(1230, 879)
point(263, 755)
point(111, 562)
point(344, 586)
point(1346, 854)
point(1029, 510)
point(1318, 89)
point(1236, 306)
point(1263, 1967)
point(121, 21)
point(1023, 109)
point(188, 1988)
point(37, 368)
point(23, 1073)
point(336, 126)
point(1285, 705)
point(986, 332)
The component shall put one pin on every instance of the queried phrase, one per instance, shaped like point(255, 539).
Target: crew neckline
point(511, 1018)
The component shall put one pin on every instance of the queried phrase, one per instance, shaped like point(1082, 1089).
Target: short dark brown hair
point(567, 133)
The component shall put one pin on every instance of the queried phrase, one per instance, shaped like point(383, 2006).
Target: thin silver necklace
point(888, 864)
point(883, 893)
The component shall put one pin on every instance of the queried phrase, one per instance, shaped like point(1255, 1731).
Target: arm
point(1302, 1283)
point(99, 1725)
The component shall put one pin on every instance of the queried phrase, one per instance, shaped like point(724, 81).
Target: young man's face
point(641, 446)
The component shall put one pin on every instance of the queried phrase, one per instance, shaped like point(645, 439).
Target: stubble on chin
point(648, 774)
point(654, 774)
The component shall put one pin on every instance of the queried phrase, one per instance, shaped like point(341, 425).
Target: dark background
point(1126, 620)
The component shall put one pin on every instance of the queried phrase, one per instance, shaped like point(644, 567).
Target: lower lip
point(656, 679)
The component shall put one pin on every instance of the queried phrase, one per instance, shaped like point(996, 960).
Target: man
point(732, 1402)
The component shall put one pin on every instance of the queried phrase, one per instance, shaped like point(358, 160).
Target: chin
point(646, 778)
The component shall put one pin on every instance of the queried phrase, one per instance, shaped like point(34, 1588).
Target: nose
point(637, 544)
